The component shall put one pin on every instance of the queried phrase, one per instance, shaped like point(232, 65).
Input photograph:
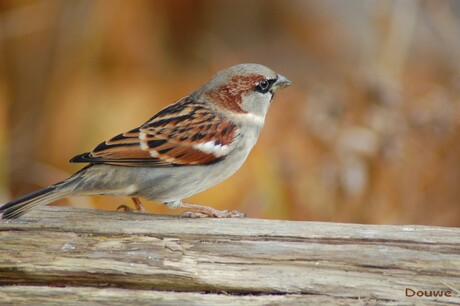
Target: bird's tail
point(18, 207)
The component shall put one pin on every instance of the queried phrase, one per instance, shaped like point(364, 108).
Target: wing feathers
point(185, 133)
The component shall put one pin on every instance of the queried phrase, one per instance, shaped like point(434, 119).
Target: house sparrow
point(187, 147)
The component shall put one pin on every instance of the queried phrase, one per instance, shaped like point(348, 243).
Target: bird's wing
point(185, 133)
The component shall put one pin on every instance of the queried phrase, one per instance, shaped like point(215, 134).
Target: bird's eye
point(263, 86)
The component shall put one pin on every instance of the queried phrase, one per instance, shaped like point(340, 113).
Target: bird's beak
point(281, 82)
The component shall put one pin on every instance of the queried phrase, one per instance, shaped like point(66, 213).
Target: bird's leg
point(200, 211)
point(137, 204)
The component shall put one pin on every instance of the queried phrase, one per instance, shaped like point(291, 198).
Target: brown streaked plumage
point(189, 146)
point(173, 137)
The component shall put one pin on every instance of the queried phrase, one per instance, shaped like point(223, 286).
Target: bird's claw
point(125, 208)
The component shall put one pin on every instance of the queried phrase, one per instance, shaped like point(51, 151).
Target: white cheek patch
point(211, 148)
point(249, 118)
point(256, 106)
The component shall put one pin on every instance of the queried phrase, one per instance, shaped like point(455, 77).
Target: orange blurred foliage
point(368, 133)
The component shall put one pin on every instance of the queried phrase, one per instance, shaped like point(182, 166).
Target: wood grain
point(58, 254)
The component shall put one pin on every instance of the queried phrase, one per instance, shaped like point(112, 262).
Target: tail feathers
point(18, 207)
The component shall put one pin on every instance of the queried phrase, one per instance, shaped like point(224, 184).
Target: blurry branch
point(25, 20)
point(403, 20)
point(448, 26)
point(30, 34)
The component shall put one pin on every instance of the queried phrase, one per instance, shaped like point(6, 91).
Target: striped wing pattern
point(185, 133)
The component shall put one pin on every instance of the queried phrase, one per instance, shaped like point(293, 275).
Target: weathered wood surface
point(78, 256)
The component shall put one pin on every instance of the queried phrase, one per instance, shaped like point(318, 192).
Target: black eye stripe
point(265, 85)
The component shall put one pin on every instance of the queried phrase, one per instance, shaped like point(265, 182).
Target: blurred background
point(368, 133)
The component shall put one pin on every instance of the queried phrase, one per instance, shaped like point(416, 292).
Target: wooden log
point(67, 255)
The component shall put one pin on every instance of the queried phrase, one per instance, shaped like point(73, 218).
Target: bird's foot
point(137, 204)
